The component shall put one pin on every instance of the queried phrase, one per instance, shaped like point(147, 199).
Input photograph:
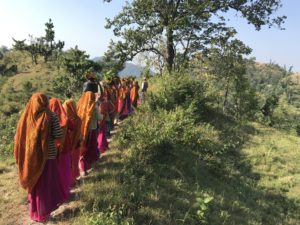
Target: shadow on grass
point(100, 188)
point(229, 178)
point(169, 196)
point(240, 200)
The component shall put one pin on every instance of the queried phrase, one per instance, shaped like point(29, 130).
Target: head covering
point(134, 93)
point(31, 140)
point(90, 86)
point(56, 106)
point(70, 108)
point(85, 109)
point(89, 75)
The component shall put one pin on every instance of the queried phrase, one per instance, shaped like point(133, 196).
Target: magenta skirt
point(47, 194)
point(75, 165)
point(102, 139)
point(64, 167)
point(91, 154)
point(123, 108)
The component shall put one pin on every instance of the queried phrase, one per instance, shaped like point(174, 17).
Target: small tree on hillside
point(76, 63)
point(225, 60)
point(43, 46)
point(3, 51)
point(49, 47)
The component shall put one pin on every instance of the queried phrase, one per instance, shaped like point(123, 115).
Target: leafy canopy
point(186, 26)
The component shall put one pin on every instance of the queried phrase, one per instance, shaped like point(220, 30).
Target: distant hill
point(96, 59)
point(130, 69)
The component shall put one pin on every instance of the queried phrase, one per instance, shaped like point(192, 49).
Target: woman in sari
point(35, 155)
point(106, 107)
point(128, 99)
point(134, 94)
point(64, 146)
point(114, 99)
point(73, 138)
point(123, 110)
point(89, 114)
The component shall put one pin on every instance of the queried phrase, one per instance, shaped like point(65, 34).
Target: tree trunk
point(170, 49)
point(225, 103)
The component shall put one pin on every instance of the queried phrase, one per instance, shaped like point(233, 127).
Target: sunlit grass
point(275, 155)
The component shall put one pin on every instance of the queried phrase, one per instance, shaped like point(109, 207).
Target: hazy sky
point(81, 22)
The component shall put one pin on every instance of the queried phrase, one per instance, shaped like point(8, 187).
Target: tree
point(50, 33)
point(225, 60)
point(44, 46)
point(33, 47)
point(110, 64)
point(186, 25)
point(49, 46)
point(76, 63)
point(3, 51)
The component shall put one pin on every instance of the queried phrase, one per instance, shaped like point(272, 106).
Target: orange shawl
point(123, 92)
point(56, 106)
point(134, 93)
point(31, 140)
point(70, 108)
point(85, 109)
point(115, 98)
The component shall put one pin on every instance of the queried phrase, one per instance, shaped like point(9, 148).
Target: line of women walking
point(56, 141)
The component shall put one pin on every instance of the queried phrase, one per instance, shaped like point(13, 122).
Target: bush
point(10, 108)
point(63, 84)
point(161, 147)
point(177, 90)
point(7, 132)
point(285, 115)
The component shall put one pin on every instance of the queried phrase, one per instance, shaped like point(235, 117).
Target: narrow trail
point(14, 207)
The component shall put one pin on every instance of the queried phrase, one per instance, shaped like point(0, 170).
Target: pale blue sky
point(81, 22)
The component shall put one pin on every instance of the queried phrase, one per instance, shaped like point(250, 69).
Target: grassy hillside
point(16, 89)
point(255, 183)
point(39, 75)
point(175, 161)
point(236, 173)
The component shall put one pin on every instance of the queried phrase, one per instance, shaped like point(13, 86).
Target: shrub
point(63, 84)
point(7, 132)
point(177, 90)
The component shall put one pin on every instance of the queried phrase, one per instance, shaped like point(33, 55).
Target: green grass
point(255, 182)
point(15, 91)
point(276, 156)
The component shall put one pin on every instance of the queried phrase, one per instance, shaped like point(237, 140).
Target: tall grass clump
point(7, 132)
point(164, 145)
point(176, 90)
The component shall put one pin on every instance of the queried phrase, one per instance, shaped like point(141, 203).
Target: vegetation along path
point(260, 185)
point(13, 202)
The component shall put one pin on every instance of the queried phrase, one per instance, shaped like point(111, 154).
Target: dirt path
point(14, 206)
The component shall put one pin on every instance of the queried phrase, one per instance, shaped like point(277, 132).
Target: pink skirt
point(75, 165)
point(91, 154)
point(102, 139)
point(64, 166)
point(47, 194)
point(122, 107)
